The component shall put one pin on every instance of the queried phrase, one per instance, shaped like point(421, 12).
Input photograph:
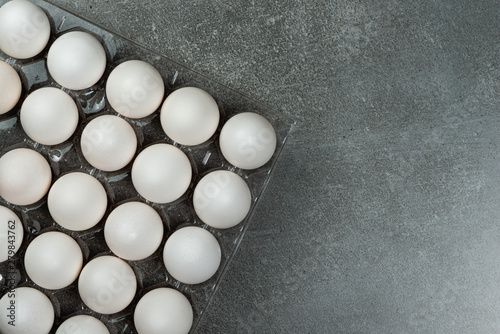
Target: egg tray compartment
point(67, 157)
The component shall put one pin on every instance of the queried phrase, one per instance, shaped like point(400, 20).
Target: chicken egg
point(49, 116)
point(163, 310)
point(107, 284)
point(133, 231)
point(11, 233)
point(53, 260)
point(247, 140)
point(190, 116)
point(135, 89)
point(76, 60)
point(108, 143)
point(222, 199)
point(192, 255)
point(25, 176)
point(10, 87)
point(24, 29)
point(161, 173)
point(71, 197)
point(26, 311)
point(82, 324)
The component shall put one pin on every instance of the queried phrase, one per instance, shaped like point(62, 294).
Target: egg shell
point(25, 176)
point(76, 60)
point(107, 284)
point(11, 233)
point(133, 231)
point(82, 324)
point(77, 201)
point(161, 173)
point(49, 116)
point(247, 140)
point(24, 29)
point(222, 199)
point(53, 260)
point(192, 255)
point(108, 143)
point(163, 310)
point(135, 89)
point(190, 116)
point(29, 308)
point(10, 87)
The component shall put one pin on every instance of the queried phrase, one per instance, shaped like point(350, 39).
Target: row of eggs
point(161, 310)
point(161, 173)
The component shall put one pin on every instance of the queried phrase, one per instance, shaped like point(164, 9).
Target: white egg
point(192, 255)
point(222, 199)
point(11, 233)
point(77, 201)
point(248, 140)
point(107, 284)
point(133, 231)
point(24, 29)
point(26, 311)
point(190, 116)
point(135, 89)
point(108, 143)
point(25, 176)
point(53, 260)
point(161, 173)
point(82, 324)
point(10, 87)
point(49, 116)
point(76, 60)
point(163, 310)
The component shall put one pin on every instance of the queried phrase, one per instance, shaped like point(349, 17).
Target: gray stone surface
point(383, 215)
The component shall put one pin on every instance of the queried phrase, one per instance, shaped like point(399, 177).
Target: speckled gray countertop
point(383, 215)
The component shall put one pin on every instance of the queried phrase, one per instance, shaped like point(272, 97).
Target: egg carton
point(66, 157)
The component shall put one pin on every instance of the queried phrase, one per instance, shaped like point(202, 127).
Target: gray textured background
point(383, 214)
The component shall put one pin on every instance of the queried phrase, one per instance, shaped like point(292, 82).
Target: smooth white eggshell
point(192, 255)
point(161, 173)
point(33, 312)
point(133, 231)
point(135, 89)
point(247, 140)
point(25, 176)
point(76, 60)
point(10, 87)
point(190, 116)
point(49, 116)
point(53, 260)
point(82, 324)
point(11, 233)
point(77, 201)
point(107, 284)
point(24, 29)
point(222, 199)
point(108, 143)
point(163, 310)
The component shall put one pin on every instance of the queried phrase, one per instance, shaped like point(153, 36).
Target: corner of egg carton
point(68, 157)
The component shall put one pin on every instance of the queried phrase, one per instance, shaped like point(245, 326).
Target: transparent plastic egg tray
point(67, 157)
